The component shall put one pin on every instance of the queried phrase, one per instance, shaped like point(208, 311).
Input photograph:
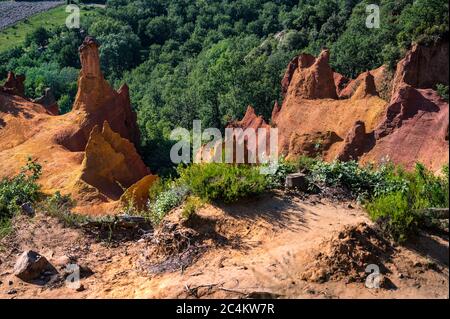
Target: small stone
point(81, 288)
point(10, 282)
point(401, 276)
point(27, 209)
point(11, 292)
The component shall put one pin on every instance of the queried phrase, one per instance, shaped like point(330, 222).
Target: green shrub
point(158, 187)
point(165, 202)
point(398, 211)
point(393, 213)
point(283, 168)
point(392, 196)
point(362, 181)
point(218, 181)
point(60, 206)
point(442, 91)
point(19, 189)
point(191, 206)
point(305, 163)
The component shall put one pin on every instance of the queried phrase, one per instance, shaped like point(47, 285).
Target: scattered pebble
point(11, 292)
point(81, 288)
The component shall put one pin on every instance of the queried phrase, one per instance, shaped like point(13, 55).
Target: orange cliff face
point(312, 120)
point(415, 124)
point(324, 114)
point(89, 152)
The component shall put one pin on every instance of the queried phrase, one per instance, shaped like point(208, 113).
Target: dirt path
point(259, 246)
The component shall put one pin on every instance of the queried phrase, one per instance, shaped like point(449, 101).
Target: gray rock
point(30, 265)
point(27, 209)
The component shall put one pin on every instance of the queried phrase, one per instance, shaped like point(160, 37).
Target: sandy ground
point(255, 248)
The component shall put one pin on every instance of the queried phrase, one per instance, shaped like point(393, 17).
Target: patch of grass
point(191, 206)
point(227, 182)
point(15, 35)
point(60, 207)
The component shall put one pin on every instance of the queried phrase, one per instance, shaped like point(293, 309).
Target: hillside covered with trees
point(209, 59)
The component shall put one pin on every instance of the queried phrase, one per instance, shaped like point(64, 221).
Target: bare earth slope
point(261, 247)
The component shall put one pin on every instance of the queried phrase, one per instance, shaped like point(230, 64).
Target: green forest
point(209, 59)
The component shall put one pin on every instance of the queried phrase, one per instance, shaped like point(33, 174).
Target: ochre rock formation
point(96, 102)
point(313, 78)
point(250, 120)
point(250, 125)
point(14, 85)
point(357, 142)
point(423, 67)
point(311, 144)
point(111, 162)
point(341, 82)
point(304, 116)
point(88, 152)
point(275, 111)
point(137, 194)
point(413, 129)
point(366, 87)
point(360, 125)
point(380, 77)
point(415, 124)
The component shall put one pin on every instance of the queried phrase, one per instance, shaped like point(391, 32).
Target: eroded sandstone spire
point(366, 88)
point(96, 101)
point(314, 78)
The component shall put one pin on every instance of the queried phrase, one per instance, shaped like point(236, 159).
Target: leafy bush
point(392, 196)
point(164, 202)
point(191, 206)
point(399, 212)
point(277, 179)
point(442, 91)
point(19, 189)
point(158, 187)
point(218, 181)
point(362, 181)
point(392, 212)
